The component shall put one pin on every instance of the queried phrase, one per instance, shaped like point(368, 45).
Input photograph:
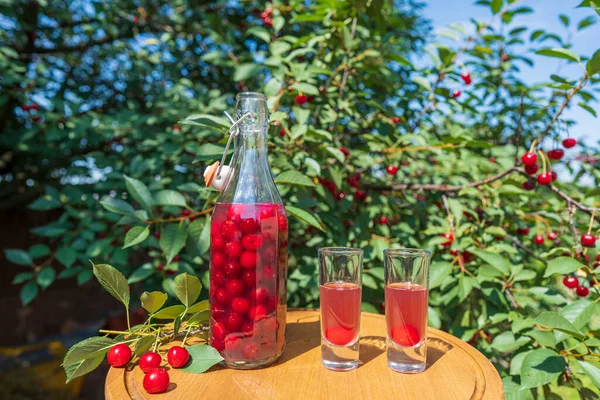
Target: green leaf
point(558, 52)
point(143, 345)
point(496, 6)
point(141, 273)
point(593, 64)
point(44, 204)
point(422, 81)
point(245, 71)
point(139, 191)
point(17, 256)
point(45, 277)
point(579, 313)
point(113, 282)
point(89, 348)
point(153, 301)
point(28, 292)
point(200, 306)
point(306, 88)
point(306, 217)
point(336, 153)
point(516, 362)
point(457, 210)
point(22, 277)
point(465, 286)
point(169, 198)
point(540, 367)
point(553, 320)
point(202, 357)
point(260, 33)
point(66, 256)
point(170, 312)
point(82, 367)
point(294, 178)
point(172, 239)
point(584, 23)
point(39, 250)
point(506, 342)
point(117, 206)
point(495, 260)
point(564, 19)
point(136, 235)
point(588, 108)
point(438, 272)
point(210, 121)
point(187, 288)
point(200, 317)
point(563, 266)
point(592, 371)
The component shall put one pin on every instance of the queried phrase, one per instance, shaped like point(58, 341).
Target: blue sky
point(545, 16)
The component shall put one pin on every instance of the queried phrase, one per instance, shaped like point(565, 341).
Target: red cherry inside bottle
point(529, 159)
point(588, 240)
point(149, 361)
point(466, 77)
point(156, 381)
point(571, 282)
point(178, 357)
point(569, 143)
point(119, 355)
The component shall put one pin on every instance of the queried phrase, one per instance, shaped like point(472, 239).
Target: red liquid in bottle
point(406, 313)
point(248, 280)
point(340, 312)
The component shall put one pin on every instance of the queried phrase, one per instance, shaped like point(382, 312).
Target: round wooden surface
point(454, 371)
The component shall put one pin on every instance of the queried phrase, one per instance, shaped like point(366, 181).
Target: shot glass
point(406, 296)
point(340, 282)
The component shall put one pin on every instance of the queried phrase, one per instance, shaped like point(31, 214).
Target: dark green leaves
point(495, 260)
point(45, 277)
point(82, 367)
point(202, 357)
point(140, 192)
point(113, 282)
point(187, 288)
point(16, 256)
point(169, 198)
point(136, 235)
point(172, 239)
point(563, 266)
point(117, 206)
point(66, 256)
point(306, 217)
point(541, 367)
point(28, 292)
point(294, 178)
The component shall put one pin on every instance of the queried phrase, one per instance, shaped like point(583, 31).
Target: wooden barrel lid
point(454, 371)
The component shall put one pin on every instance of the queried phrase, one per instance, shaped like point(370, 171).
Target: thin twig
point(527, 250)
point(511, 298)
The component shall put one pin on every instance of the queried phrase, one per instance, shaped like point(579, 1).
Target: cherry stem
point(156, 341)
point(591, 222)
point(125, 333)
point(533, 145)
point(541, 153)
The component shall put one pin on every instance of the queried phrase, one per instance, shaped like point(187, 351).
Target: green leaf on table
point(136, 235)
point(28, 292)
point(139, 191)
point(495, 260)
point(202, 357)
point(113, 282)
point(89, 348)
point(22, 277)
point(558, 52)
point(169, 198)
point(592, 371)
point(553, 320)
point(540, 367)
point(66, 256)
point(82, 367)
point(200, 306)
point(172, 240)
point(306, 217)
point(17, 256)
point(153, 301)
point(176, 325)
point(45, 277)
point(563, 266)
point(39, 250)
point(118, 206)
point(294, 178)
point(143, 345)
point(187, 288)
point(170, 312)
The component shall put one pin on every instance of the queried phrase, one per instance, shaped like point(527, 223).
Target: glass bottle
point(248, 250)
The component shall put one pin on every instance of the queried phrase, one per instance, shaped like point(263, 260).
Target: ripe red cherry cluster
point(247, 259)
point(530, 159)
point(302, 99)
point(573, 283)
point(266, 17)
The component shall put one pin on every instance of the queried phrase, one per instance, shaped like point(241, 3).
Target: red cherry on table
point(544, 179)
point(466, 77)
point(301, 99)
point(529, 184)
point(345, 151)
point(571, 282)
point(149, 361)
point(529, 159)
point(405, 335)
point(240, 305)
point(556, 154)
point(532, 169)
point(450, 237)
point(178, 356)
point(582, 291)
point(569, 142)
point(552, 235)
point(455, 93)
point(119, 355)
point(539, 239)
point(392, 170)
point(588, 240)
point(156, 381)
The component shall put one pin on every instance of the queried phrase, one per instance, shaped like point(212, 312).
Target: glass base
point(253, 364)
point(339, 358)
point(407, 360)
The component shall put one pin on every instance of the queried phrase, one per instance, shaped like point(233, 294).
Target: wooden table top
point(455, 371)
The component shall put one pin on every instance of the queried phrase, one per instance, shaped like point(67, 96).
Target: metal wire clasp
point(233, 131)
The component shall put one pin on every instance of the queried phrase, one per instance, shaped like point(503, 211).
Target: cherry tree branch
point(521, 246)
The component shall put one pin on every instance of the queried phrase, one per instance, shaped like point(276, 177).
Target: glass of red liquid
point(340, 282)
point(406, 297)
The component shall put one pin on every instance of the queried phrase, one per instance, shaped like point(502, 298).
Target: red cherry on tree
point(392, 170)
point(556, 154)
point(383, 220)
point(268, 22)
point(539, 239)
point(301, 99)
point(396, 120)
point(450, 237)
point(529, 184)
point(156, 381)
point(345, 151)
point(544, 178)
point(119, 355)
point(529, 159)
point(582, 291)
point(523, 231)
point(571, 282)
point(552, 235)
point(282, 132)
point(553, 175)
point(149, 361)
point(569, 142)
point(588, 240)
point(532, 169)
point(453, 252)
point(466, 77)
point(455, 93)
point(178, 356)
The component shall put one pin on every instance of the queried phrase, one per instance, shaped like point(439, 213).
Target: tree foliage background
point(109, 112)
